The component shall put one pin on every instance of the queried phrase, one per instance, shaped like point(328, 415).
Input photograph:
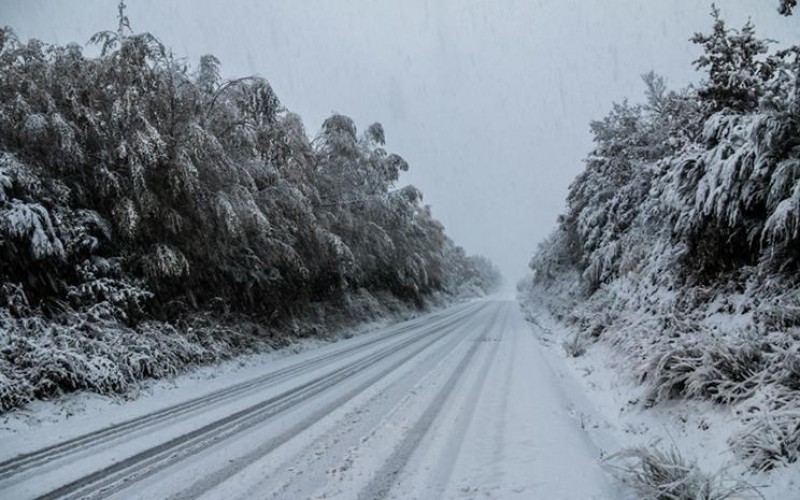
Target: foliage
point(681, 240)
point(772, 435)
point(665, 475)
point(736, 71)
point(134, 189)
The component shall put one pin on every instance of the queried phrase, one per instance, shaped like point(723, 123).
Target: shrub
point(666, 475)
point(772, 436)
point(714, 370)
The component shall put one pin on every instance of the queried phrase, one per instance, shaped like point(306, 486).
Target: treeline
point(134, 188)
point(681, 241)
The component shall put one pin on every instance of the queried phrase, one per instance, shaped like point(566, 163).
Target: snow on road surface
point(456, 404)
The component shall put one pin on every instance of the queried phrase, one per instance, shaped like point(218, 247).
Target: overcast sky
point(488, 100)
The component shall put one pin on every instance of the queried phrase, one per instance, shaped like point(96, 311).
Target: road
point(459, 403)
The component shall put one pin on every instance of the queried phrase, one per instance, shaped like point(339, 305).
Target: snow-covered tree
point(201, 189)
point(140, 198)
point(736, 66)
point(680, 243)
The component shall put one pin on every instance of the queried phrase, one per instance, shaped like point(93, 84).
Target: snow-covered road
point(456, 404)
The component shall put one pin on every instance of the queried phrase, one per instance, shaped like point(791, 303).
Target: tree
point(736, 68)
point(198, 190)
point(138, 197)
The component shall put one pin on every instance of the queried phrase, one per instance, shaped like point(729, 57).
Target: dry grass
point(655, 474)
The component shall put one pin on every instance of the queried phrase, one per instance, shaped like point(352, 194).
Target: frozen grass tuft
point(666, 475)
point(715, 371)
point(772, 436)
point(575, 346)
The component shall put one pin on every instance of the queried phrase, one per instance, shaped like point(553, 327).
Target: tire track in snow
point(455, 436)
point(384, 479)
point(319, 460)
point(499, 427)
point(122, 474)
point(233, 468)
point(24, 462)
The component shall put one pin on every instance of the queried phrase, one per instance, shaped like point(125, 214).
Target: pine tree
point(736, 68)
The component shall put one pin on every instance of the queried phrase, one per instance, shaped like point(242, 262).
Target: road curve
point(454, 404)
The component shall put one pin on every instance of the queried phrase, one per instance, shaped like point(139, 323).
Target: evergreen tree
point(735, 64)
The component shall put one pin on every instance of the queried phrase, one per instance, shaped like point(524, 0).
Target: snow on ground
point(462, 403)
point(76, 409)
point(607, 402)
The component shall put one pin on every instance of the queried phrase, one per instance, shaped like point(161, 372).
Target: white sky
point(488, 100)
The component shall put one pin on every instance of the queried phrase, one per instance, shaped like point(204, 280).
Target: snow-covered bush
point(666, 475)
point(718, 371)
point(772, 440)
point(771, 437)
point(14, 393)
point(680, 245)
point(40, 358)
point(13, 298)
point(45, 358)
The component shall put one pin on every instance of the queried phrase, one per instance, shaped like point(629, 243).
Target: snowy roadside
point(608, 402)
point(75, 411)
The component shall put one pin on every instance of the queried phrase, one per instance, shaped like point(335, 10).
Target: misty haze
point(423, 249)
